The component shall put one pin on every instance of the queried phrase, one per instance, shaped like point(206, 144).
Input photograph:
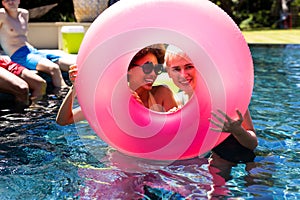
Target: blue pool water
point(42, 160)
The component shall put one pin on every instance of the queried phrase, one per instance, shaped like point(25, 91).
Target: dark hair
point(158, 50)
point(111, 2)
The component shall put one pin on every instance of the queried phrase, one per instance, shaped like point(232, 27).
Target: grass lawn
point(286, 36)
point(163, 79)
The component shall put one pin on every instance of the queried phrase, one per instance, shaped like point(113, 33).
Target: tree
point(248, 14)
point(64, 11)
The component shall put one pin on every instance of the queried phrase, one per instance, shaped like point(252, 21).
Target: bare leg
point(36, 84)
point(14, 85)
point(53, 70)
point(66, 61)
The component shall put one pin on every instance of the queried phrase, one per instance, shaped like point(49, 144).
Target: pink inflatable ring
point(201, 29)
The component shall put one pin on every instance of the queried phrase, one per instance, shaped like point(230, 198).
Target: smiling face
point(138, 80)
point(182, 71)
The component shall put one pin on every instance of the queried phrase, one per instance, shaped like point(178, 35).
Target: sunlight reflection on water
point(42, 160)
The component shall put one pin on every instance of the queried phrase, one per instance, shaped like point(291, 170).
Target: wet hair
point(158, 50)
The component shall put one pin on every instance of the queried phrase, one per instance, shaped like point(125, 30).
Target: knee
point(41, 86)
point(23, 88)
point(54, 68)
point(22, 93)
point(48, 67)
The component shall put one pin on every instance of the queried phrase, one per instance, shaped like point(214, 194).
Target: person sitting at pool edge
point(143, 70)
point(13, 39)
point(239, 146)
point(19, 81)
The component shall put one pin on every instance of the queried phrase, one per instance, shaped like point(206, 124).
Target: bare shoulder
point(159, 89)
point(2, 15)
point(23, 11)
point(2, 11)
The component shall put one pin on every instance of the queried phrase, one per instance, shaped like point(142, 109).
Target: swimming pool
point(41, 160)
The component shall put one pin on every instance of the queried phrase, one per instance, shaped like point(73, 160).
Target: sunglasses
point(148, 67)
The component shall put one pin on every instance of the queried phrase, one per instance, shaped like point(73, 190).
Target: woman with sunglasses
point(143, 70)
point(239, 146)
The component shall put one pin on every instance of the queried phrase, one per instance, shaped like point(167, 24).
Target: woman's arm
point(66, 114)
point(242, 129)
point(250, 141)
point(245, 134)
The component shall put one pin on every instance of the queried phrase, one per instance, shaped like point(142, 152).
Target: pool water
point(42, 160)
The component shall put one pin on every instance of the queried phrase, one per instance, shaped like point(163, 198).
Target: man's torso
point(13, 31)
